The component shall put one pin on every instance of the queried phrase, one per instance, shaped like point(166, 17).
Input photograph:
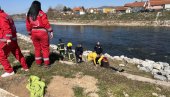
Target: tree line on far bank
point(55, 14)
point(59, 13)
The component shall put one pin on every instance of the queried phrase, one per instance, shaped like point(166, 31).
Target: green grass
point(109, 82)
point(78, 92)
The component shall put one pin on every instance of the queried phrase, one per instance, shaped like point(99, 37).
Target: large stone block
point(160, 77)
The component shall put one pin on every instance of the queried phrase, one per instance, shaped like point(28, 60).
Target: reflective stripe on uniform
point(46, 59)
point(3, 40)
point(8, 35)
point(38, 58)
point(42, 29)
point(14, 38)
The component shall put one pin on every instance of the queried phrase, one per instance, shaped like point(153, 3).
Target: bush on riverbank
point(145, 16)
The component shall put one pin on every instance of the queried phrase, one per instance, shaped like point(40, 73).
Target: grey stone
point(163, 63)
point(144, 69)
point(125, 94)
point(162, 96)
point(117, 58)
point(122, 56)
point(137, 61)
point(159, 89)
point(148, 65)
point(155, 71)
point(160, 77)
point(158, 66)
point(163, 72)
point(155, 94)
point(122, 65)
point(167, 71)
point(167, 68)
point(168, 77)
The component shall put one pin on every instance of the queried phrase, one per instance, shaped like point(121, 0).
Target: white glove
point(51, 35)
point(8, 42)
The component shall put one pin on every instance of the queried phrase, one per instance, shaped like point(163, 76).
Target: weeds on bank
point(109, 82)
point(78, 92)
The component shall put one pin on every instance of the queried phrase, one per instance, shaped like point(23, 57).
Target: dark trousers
point(78, 59)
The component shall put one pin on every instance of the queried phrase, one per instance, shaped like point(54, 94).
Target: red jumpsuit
point(8, 29)
point(5, 34)
point(38, 30)
point(14, 48)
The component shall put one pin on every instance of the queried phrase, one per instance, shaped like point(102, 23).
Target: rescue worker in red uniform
point(38, 27)
point(14, 48)
point(5, 40)
point(8, 43)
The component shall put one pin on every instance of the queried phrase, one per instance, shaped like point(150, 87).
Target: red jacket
point(40, 22)
point(13, 28)
point(5, 28)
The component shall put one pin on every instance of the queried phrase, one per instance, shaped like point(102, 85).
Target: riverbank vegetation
point(109, 83)
point(127, 19)
point(140, 16)
point(143, 16)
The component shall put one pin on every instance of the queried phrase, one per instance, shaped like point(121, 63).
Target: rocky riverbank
point(159, 70)
point(74, 78)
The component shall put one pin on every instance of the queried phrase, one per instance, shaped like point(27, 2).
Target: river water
point(141, 42)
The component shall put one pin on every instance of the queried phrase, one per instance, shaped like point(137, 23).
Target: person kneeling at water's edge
point(69, 52)
point(79, 53)
point(101, 61)
point(61, 48)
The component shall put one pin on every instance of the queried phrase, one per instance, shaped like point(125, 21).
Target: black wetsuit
point(78, 53)
point(61, 48)
point(98, 49)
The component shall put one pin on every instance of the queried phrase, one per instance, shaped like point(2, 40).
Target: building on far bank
point(167, 5)
point(79, 10)
point(157, 5)
point(92, 10)
point(137, 6)
point(122, 9)
point(106, 9)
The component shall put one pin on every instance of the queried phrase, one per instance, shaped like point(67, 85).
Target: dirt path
point(144, 79)
point(16, 85)
point(4, 93)
point(63, 87)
